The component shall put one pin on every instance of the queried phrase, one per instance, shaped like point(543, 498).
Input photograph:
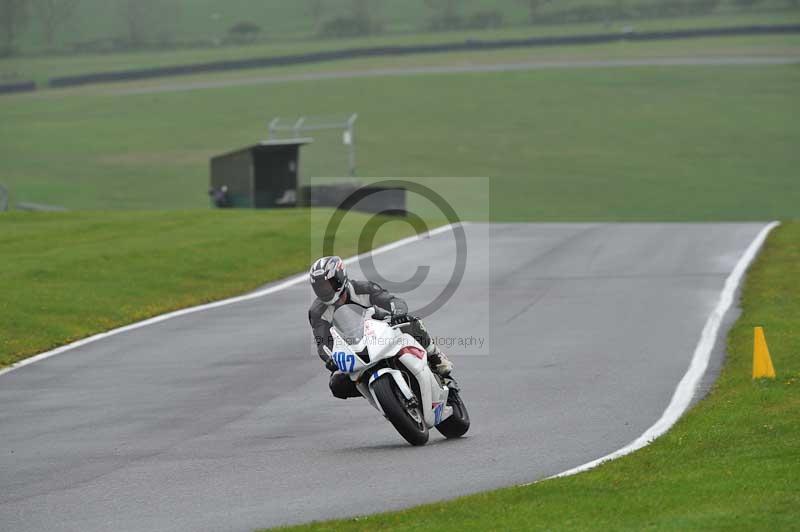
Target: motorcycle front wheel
point(406, 417)
point(458, 424)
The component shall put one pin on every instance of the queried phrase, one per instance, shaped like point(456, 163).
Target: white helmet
point(328, 277)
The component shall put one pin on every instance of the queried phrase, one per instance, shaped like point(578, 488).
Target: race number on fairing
point(345, 361)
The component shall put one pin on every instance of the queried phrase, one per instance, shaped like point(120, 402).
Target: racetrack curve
point(221, 419)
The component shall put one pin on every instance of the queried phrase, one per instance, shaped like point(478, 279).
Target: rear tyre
point(458, 424)
point(404, 416)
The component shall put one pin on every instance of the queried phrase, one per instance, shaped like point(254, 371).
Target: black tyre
point(458, 424)
point(406, 418)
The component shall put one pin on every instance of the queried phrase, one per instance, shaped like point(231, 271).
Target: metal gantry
point(301, 126)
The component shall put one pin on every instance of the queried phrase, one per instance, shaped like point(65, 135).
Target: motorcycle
point(390, 369)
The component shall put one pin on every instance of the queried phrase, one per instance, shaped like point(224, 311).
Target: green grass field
point(66, 276)
point(731, 463)
point(655, 143)
point(41, 67)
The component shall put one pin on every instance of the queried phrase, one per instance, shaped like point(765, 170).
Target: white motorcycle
point(390, 369)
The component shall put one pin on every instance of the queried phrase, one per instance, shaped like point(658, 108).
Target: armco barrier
point(19, 86)
point(355, 53)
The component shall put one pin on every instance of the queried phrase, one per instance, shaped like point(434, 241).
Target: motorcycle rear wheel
point(394, 407)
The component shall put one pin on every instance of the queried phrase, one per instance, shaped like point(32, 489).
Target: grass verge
point(66, 276)
point(731, 463)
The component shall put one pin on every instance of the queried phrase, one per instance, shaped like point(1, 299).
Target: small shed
point(260, 176)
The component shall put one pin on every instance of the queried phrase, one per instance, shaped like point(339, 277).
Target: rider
point(333, 289)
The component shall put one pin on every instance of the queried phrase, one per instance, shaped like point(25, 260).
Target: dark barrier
point(355, 53)
point(20, 86)
point(359, 198)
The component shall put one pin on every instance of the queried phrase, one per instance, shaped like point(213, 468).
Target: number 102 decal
point(345, 361)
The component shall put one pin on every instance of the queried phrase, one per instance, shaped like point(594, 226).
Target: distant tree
point(365, 14)
point(167, 21)
point(361, 20)
point(52, 14)
point(316, 9)
point(150, 21)
point(706, 6)
point(533, 9)
point(361, 10)
point(620, 9)
point(13, 19)
point(446, 13)
point(448, 8)
point(746, 3)
point(137, 15)
point(481, 20)
point(244, 32)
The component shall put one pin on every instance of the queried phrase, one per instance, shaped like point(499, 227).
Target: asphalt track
point(173, 86)
point(221, 419)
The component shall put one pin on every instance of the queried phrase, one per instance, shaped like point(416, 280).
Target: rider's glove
point(399, 312)
point(331, 365)
point(397, 319)
point(380, 313)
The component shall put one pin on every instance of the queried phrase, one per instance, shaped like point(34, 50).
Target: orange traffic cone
point(762, 363)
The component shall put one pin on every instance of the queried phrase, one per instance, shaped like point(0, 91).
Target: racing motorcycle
point(390, 369)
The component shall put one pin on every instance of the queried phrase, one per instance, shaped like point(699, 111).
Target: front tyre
point(457, 424)
point(404, 415)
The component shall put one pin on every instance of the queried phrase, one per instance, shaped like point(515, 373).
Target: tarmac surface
point(568, 340)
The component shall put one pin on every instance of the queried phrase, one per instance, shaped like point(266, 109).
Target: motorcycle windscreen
point(349, 322)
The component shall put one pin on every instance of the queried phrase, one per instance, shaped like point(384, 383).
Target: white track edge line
point(682, 397)
point(291, 281)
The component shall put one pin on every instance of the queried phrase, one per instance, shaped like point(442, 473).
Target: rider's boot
point(438, 361)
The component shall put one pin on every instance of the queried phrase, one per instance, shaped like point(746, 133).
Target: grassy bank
point(731, 463)
point(66, 276)
point(656, 143)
